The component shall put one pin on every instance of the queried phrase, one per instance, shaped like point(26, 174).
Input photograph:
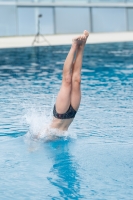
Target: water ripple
point(31, 78)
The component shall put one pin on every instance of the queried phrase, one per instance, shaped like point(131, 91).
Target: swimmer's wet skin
point(69, 96)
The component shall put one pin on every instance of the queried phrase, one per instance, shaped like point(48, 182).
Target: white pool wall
point(64, 39)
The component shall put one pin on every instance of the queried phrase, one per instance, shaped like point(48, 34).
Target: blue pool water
point(95, 160)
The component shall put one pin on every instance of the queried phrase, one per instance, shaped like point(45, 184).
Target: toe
point(86, 33)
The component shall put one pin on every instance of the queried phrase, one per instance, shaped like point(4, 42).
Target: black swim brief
point(69, 114)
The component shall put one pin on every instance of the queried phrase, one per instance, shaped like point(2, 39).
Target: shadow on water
point(64, 173)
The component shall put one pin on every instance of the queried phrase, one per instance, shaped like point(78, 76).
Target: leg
point(63, 98)
point(76, 77)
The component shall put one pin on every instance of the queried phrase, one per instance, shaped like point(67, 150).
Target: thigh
point(75, 97)
point(63, 99)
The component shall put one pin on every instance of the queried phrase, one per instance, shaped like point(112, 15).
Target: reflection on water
point(64, 172)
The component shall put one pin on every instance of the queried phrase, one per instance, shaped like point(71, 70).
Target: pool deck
point(26, 41)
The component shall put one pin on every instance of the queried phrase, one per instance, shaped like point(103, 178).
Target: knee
point(76, 79)
point(67, 79)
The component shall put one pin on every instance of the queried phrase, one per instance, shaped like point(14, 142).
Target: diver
point(69, 96)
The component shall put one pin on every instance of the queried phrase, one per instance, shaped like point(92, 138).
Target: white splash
point(38, 121)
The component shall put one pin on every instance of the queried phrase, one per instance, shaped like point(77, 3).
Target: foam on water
point(39, 127)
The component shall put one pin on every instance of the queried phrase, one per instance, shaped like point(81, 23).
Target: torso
point(61, 124)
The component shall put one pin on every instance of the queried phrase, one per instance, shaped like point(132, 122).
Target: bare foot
point(80, 40)
point(86, 33)
point(75, 43)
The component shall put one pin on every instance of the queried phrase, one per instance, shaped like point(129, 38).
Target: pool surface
point(94, 161)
